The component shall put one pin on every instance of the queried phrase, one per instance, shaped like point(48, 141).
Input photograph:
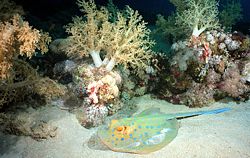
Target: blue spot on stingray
point(113, 142)
point(130, 135)
point(134, 138)
point(122, 139)
point(139, 127)
point(146, 133)
point(132, 123)
point(151, 127)
point(158, 132)
point(147, 126)
point(116, 139)
point(113, 135)
point(159, 126)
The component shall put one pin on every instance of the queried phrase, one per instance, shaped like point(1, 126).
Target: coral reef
point(208, 68)
point(111, 37)
point(197, 16)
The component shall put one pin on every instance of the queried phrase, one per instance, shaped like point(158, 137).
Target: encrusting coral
point(124, 41)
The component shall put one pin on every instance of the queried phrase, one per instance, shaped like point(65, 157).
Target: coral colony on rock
point(95, 64)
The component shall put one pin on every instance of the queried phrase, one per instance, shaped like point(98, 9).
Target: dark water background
point(63, 10)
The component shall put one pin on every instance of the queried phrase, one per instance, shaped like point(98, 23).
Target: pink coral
point(92, 90)
point(233, 84)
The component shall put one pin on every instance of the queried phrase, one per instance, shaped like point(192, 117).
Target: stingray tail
point(208, 112)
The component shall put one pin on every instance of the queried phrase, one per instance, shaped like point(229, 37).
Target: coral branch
point(200, 16)
point(124, 40)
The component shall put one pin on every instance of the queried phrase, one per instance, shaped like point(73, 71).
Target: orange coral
point(18, 38)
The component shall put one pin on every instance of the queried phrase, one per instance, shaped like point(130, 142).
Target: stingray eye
point(120, 128)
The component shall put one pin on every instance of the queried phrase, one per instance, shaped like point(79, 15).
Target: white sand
point(224, 135)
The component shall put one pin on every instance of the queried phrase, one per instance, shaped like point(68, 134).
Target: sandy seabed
point(224, 135)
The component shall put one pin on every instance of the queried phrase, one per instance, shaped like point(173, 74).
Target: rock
point(58, 45)
point(66, 66)
point(63, 71)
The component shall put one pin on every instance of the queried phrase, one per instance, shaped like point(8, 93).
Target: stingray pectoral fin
point(150, 111)
point(141, 143)
point(161, 139)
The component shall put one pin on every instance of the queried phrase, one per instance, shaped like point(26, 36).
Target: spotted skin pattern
point(146, 132)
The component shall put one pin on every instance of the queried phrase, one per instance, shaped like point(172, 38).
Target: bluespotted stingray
point(146, 132)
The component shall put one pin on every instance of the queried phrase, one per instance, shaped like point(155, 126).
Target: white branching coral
point(201, 15)
point(125, 40)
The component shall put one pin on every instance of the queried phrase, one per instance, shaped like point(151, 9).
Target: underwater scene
point(124, 78)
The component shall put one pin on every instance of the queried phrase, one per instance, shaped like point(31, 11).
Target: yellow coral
point(90, 35)
point(125, 40)
point(129, 41)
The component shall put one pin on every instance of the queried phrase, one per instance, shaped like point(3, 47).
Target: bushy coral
point(18, 38)
point(200, 15)
point(179, 5)
point(166, 26)
point(125, 41)
point(20, 86)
